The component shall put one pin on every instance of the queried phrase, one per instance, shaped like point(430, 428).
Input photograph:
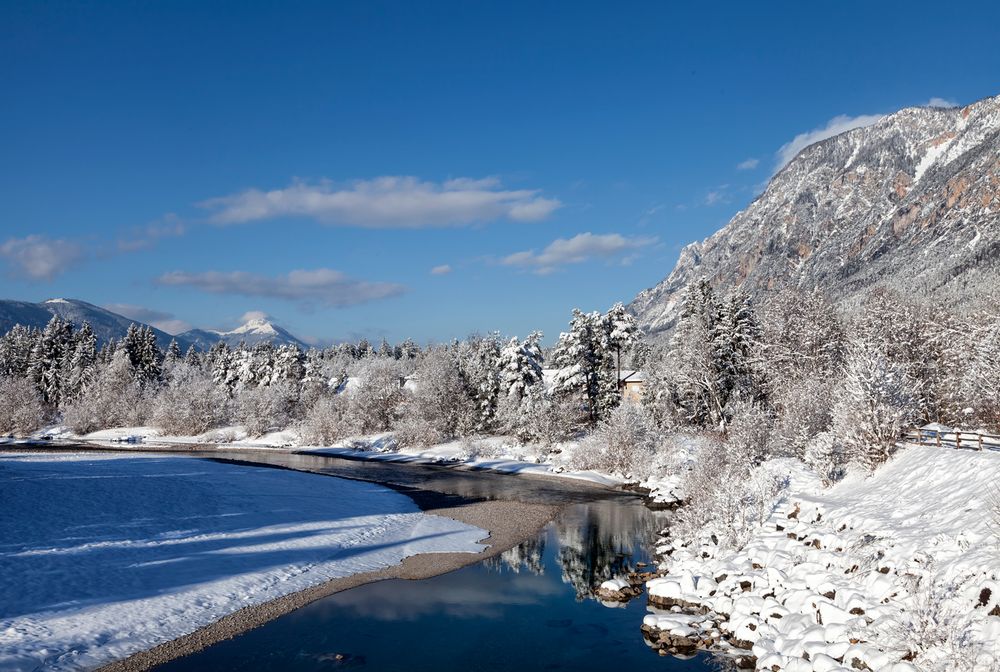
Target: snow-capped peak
point(255, 326)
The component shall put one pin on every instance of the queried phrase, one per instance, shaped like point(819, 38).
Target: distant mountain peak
point(256, 328)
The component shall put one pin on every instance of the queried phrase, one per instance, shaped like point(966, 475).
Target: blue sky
point(422, 169)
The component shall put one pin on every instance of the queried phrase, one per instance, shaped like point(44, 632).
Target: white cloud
point(578, 249)
point(749, 164)
point(443, 269)
point(387, 202)
point(40, 257)
point(839, 124)
point(254, 316)
point(161, 320)
point(322, 286)
point(940, 102)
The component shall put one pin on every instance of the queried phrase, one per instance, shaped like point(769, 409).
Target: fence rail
point(952, 438)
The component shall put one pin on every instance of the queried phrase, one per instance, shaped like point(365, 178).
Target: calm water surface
point(530, 609)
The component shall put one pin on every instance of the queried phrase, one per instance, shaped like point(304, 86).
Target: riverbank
point(897, 571)
point(508, 523)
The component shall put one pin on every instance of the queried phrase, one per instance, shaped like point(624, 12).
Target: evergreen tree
point(82, 365)
point(694, 361)
point(738, 341)
point(48, 358)
point(289, 365)
point(172, 355)
point(192, 357)
point(15, 350)
point(520, 364)
point(621, 333)
point(583, 361)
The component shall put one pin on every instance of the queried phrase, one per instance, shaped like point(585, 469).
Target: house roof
point(629, 376)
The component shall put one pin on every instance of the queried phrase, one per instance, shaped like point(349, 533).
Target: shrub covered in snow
point(877, 400)
point(190, 402)
point(623, 444)
point(115, 398)
point(376, 403)
point(728, 495)
point(804, 411)
point(21, 409)
point(263, 409)
point(438, 403)
point(327, 421)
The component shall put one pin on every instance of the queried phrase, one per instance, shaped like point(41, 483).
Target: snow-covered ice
point(103, 556)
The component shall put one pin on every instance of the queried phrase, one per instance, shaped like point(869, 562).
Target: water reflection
point(529, 608)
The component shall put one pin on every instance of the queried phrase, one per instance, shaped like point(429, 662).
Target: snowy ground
point(103, 556)
point(898, 571)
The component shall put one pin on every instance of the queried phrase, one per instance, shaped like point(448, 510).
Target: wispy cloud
point(38, 257)
point(443, 269)
point(578, 249)
point(718, 195)
point(749, 164)
point(144, 237)
point(941, 102)
point(321, 286)
point(839, 124)
point(387, 202)
point(164, 321)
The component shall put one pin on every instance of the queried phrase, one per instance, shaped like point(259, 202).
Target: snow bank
point(103, 556)
point(900, 570)
point(494, 453)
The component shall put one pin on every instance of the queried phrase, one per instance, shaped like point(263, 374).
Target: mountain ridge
point(912, 201)
point(108, 324)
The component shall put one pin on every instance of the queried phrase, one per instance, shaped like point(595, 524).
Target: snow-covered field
point(103, 556)
point(897, 571)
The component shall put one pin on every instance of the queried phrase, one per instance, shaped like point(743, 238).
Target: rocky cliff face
point(912, 202)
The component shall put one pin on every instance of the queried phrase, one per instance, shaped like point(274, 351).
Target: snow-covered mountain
point(912, 201)
point(106, 324)
point(251, 332)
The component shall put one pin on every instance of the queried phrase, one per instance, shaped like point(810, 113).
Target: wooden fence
point(952, 438)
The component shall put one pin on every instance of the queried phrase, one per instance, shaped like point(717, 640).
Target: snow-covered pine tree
point(45, 369)
point(364, 349)
point(143, 354)
point(172, 355)
point(219, 360)
point(738, 341)
point(409, 349)
point(107, 352)
point(81, 369)
point(289, 365)
point(621, 333)
point(15, 350)
point(478, 363)
point(192, 357)
point(151, 358)
point(520, 364)
point(694, 360)
point(582, 359)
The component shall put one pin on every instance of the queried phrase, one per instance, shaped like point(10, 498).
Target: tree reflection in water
point(590, 545)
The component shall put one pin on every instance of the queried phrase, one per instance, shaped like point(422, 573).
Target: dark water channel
point(532, 608)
